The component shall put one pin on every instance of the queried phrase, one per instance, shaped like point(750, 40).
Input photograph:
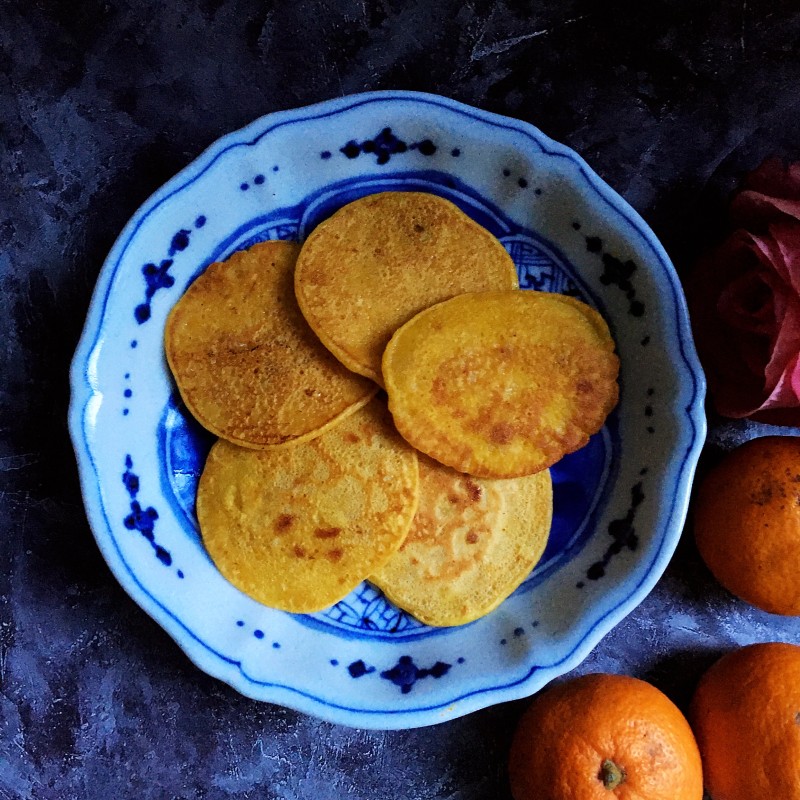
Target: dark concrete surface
point(100, 103)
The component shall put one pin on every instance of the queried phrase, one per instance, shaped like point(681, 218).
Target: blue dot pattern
point(156, 274)
point(141, 519)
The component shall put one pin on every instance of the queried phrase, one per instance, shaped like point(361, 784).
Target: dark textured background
point(100, 103)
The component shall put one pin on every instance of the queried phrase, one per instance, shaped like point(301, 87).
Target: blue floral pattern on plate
point(619, 503)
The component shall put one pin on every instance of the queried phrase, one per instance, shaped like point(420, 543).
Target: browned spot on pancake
point(327, 533)
point(454, 499)
point(474, 490)
point(284, 522)
point(352, 438)
point(334, 555)
point(299, 551)
point(584, 387)
point(501, 433)
point(472, 537)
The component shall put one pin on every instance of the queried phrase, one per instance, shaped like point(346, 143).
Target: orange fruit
point(746, 715)
point(604, 737)
point(747, 523)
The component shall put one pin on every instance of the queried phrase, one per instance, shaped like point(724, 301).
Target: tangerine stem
point(611, 775)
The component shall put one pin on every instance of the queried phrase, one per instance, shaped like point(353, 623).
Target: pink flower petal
point(785, 347)
point(746, 303)
point(786, 393)
point(770, 193)
point(733, 356)
point(774, 177)
point(751, 208)
point(786, 236)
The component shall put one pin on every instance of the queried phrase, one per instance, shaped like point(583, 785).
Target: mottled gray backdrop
point(100, 103)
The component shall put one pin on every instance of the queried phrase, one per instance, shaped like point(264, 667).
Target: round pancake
point(246, 363)
point(472, 542)
point(501, 384)
point(297, 528)
point(382, 259)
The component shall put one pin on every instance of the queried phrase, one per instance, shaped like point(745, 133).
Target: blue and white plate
point(620, 502)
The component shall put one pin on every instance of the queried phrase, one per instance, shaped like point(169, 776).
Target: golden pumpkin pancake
point(246, 363)
point(472, 542)
point(297, 528)
point(501, 384)
point(382, 259)
point(591, 315)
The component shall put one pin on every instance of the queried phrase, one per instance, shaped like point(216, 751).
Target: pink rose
point(744, 299)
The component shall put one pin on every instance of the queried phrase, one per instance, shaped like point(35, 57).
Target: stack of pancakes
point(442, 496)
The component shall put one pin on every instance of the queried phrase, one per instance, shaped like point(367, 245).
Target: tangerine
point(747, 523)
point(746, 715)
point(604, 737)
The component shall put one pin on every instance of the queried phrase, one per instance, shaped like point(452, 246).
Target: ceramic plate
point(620, 502)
